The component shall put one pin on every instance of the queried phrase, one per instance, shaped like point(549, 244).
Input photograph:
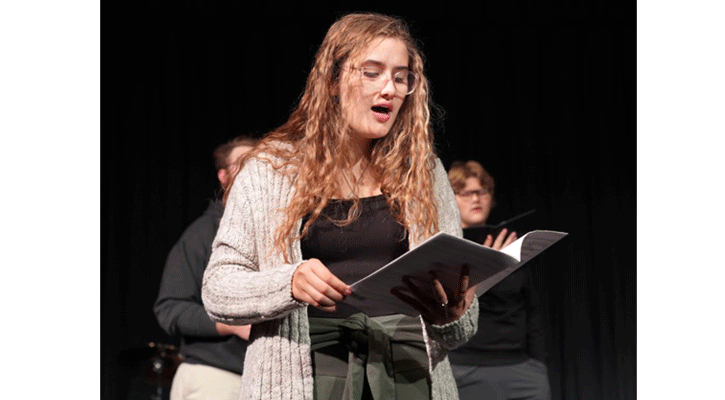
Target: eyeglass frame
point(388, 77)
point(468, 194)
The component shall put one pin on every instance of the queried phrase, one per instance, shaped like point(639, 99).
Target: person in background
point(346, 185)
point(506, 357)
point(474, 188)
point(213, 352)
point(228, 157)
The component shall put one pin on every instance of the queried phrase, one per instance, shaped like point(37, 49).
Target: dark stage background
point(541, 93)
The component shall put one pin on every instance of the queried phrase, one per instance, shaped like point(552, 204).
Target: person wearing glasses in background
point(346, 185)
point(506, 358)
point(213, 352)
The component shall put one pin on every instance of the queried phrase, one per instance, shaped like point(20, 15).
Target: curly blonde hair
point(402, 160)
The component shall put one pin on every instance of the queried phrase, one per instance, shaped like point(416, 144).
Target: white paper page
point(514, 249)
point(523, 249)
point(537, 241)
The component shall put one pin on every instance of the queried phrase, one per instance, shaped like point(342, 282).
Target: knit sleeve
point(449, 217)
point(236, 290)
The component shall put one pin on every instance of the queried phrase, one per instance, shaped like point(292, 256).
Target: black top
point(353, 251)
point(179, 309)
point(510, 326)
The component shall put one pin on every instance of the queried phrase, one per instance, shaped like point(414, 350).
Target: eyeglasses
point(468, 194)
point(375, 79)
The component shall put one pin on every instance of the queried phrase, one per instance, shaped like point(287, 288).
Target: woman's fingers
point(317, 298)
point(489, 241)
point(463, 282)
point(438, 289)
point(466, 293)
point(502, 240)
point(314, 284)
point(510, 239)
point(433, 301)
point(498, 243)
point(325, 285)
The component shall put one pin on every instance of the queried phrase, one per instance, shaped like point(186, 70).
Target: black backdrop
point(541, 93)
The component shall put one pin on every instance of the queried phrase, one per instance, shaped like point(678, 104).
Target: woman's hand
point(314, 284)
point(238, 330)
point(439, 309)
point(501, 240)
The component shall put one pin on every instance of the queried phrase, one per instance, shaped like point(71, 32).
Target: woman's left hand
point(441, 308)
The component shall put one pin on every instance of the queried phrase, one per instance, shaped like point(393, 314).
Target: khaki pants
point(202, 382)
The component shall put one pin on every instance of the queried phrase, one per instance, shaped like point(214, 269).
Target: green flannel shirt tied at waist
point(389, 351)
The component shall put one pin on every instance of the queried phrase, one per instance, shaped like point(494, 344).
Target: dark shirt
point(179, 309)
point(510, 327)
point(353, 251)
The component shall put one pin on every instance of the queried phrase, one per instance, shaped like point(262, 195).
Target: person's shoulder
point(437, 163)
point(437, 168)
point(202, 230)
point(272, 157)
point(214, 210)
point(279, 145)
point(271, 166)
point(271, 153)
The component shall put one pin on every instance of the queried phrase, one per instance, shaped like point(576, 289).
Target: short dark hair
point(221, 152)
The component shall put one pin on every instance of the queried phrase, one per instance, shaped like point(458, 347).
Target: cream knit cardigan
point(248, 282)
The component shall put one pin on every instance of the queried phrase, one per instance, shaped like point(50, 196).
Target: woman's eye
point(371, 74)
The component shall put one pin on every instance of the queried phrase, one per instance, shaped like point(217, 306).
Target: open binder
point(520, 224)
point(445, 255)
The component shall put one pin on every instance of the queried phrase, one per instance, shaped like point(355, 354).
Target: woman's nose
point(388, 89)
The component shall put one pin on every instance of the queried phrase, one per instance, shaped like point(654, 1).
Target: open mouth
point(382, 112)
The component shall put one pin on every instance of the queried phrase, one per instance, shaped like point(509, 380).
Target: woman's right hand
point(314, 284)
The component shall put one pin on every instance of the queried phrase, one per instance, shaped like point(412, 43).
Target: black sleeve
point(535, 343)
point(178, 307)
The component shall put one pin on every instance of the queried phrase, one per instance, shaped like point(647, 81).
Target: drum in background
point(152, 369)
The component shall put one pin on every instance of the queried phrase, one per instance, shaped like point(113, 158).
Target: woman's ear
point(223, 176)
